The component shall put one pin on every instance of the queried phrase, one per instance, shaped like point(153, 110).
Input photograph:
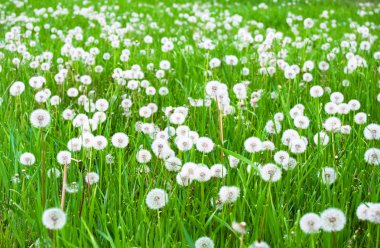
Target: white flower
point(183, 179)
point(54, 218)
point(205, 145)
point(143, 156)
point(27, 158)
point(333, 220)
point(177, 118)
point(64, 157)
point(173, 164)
point(316, 91)
point(120, 140)
point(40, 118)
point(239, 227)
point(99, 142)
point(281, 158)
point(374, 213)
point(233, 161)
point(331, 108)
point(360, 118)
point(372, 132)
point(184, 143)
point(372, 156)
point(288, 136)
point(74, 144)
point(91, 178)
point(17, 88)
point(156, 199)
point(253, 144)
point(290, 165)
point(301, 122)
point(202, 173)
point(362, 211)
point(297, 146)
point(332, 124)
point(310, 223)
point(259, 244)
point(218, 171)
point(270, 172)
point(101, 105)
point(213, 88)
point(336, 97)
point(229, 194)
point(328, 175)
point(204, 242)
point(190, 169)
point(321, 138)
point(273, 127)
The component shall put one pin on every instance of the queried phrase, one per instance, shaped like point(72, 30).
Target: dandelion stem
point(220, 122)
point(334, 240)
point(43, 167)
point(64, 181)
point(242, 241)
point(120, 160)
point(265, 212)
point(81, 202)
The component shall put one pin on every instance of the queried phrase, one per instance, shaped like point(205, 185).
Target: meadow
point(189, 123)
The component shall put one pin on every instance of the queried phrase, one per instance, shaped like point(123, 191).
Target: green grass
point(107, 222)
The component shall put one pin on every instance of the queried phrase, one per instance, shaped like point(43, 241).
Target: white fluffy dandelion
point(259, 244)
point(120, 140)
point(253, 144)
point(270, 173)
point(91, 178)
point(204, 242)
point(310, 223)
point(374, 213)
point(229, 194)
point(328, 175)
point(205, 145)
point(156, 199)
point(64, 157)
point(333, 220)
point(27, 158)
point(54, 218)
point(362, 211)
point(372, 156)
point(40, 118)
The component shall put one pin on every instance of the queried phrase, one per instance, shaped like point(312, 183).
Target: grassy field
point(189, 124)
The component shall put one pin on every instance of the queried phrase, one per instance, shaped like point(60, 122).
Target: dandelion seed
point(372, 156)
point(333, 220)
point(239, 227)
point(40, 118)
point(281, 158)
point(229, 194)
point(156, 199)
point(27, 158)
point(362, 211)
point(120, 140)
point(310, 223)
point(204, 242)
point(54, 218)
point(218, 171)
point(270, 172)
point(205, 145)
point(259, 244)
point(91, 178)
point(253, 144)
point(328, 175)
point(374, 213)
point(372, 132)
